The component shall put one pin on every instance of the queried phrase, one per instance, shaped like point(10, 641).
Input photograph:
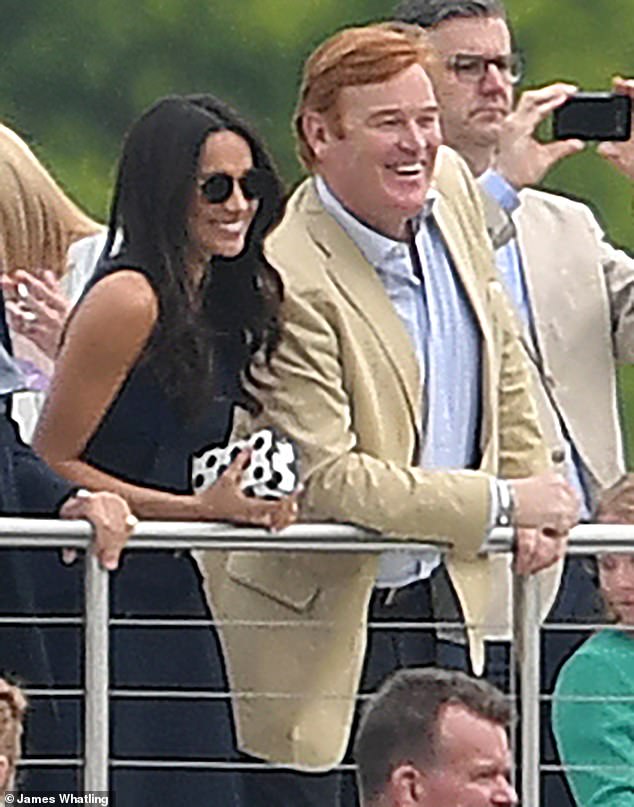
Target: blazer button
point(558, 455)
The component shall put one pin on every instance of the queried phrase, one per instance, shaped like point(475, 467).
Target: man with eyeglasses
point(573, 293)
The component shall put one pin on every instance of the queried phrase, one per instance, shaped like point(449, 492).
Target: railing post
point(96, 716)
point(527, 631)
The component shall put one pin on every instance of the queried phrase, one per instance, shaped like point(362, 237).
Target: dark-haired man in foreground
point(432, 737)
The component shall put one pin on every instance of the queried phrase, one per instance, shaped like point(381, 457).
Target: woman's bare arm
point(104, 340)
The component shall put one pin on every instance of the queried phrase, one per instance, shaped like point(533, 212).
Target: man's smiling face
point(378, 155)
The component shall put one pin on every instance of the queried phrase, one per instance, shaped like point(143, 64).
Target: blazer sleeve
point(31, 487)
point(303, 395)
point(618, 270)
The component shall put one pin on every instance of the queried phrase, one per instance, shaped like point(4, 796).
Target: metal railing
point(51, 533)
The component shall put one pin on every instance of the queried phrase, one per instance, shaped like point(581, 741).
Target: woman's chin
point(229, 247)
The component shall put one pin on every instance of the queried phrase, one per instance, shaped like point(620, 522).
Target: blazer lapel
point(530, 246)
point(452, 230)
point(502, 228)
point(359, 283)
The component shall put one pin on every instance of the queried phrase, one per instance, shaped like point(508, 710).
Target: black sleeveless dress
point(146, 439)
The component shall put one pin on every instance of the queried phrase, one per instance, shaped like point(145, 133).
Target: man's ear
point(406, 786)
point(318, 132)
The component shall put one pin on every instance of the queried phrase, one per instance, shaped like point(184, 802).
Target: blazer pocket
point(273, 577)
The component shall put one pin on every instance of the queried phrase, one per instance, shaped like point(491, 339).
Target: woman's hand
point(225, 501)
point(36, 308)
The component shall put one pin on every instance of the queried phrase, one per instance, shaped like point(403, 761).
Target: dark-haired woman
point(151, 363)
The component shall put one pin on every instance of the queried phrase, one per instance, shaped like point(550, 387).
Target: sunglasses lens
point(256, 183)
point(218, 188)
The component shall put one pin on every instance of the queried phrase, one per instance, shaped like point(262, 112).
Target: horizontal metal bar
point(210, 764)
point(585, 539)
point(588, 698)
point(45, 762)
point(322, 537)
point(597, 768)
point(174, 622)
point(577, 627)
point(52, 621)
point(213, 535)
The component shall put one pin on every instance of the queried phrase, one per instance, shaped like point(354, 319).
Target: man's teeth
point(408, 170)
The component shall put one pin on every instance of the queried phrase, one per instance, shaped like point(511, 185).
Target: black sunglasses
point(255, 184)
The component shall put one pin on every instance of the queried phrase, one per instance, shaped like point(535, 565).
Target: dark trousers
point(388, 649)
point(28, 487)
point(155, 658)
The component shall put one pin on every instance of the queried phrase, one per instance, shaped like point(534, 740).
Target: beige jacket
point(345, 386)
point(582, 297)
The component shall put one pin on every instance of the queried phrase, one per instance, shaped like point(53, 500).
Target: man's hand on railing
point(536, 550)
point(617, 503)
point(546, 503)
point(110, 516)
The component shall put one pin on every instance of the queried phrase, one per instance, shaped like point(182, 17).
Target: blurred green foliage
point(75, 73)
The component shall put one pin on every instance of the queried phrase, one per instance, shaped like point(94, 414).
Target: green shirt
point(595, 732)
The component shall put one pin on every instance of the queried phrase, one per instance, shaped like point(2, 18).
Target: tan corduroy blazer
point(344, 384)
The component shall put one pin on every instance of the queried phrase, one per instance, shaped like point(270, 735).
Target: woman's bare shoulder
point(119, 311)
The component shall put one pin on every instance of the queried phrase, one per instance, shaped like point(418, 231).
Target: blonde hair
point(353, 57)
point(38, 222)
point(12, 709)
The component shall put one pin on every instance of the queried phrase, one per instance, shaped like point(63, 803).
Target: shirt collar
point(500, 189)
point(377, 249)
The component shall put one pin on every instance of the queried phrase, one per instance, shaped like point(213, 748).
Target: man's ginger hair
point(355, 56)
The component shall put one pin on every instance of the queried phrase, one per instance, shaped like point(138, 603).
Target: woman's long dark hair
point(240, 297)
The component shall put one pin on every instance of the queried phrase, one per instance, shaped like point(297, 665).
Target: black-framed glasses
point(255, 184)
point(473, 67)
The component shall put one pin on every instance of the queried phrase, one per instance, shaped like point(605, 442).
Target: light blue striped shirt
point(447, 343)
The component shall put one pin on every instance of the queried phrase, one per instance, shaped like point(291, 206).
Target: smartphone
point(594, 116)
